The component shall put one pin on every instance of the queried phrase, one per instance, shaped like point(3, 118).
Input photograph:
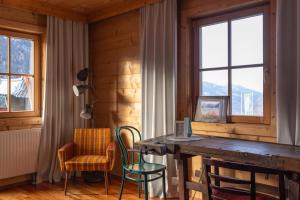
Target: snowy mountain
point(242, 98)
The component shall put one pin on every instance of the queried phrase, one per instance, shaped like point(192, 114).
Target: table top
point(277, 156)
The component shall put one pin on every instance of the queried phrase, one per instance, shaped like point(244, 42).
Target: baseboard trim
point(16, 181)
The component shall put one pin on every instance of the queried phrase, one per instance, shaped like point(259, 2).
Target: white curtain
point(288, 78)
point(67, 53)
point(158, 59)
point(288, 71)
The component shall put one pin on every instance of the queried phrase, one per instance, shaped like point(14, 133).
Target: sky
point(247, 48)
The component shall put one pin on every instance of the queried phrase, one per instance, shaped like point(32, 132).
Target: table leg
point(182, 165)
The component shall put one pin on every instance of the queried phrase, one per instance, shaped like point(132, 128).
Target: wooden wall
point(191, 9)
point(114, 59)
point(19, 20)
point(22, 16)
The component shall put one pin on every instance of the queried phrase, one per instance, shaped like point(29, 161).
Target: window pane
point(247, 89)
point(21, 56)
point(214, 83)
point(3, 94)
point(22, 95)
point(247, 41)
point(3, 54)
point(214, 49)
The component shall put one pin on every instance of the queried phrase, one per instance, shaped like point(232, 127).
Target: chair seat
point(88, 163)
point(145, 168)
point(229, 196)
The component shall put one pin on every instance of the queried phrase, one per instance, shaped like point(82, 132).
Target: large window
point(19, 74)
point(230, 59)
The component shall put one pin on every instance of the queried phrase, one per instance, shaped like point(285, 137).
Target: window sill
point(236, 130)
point(16, 115)
point(20, 123)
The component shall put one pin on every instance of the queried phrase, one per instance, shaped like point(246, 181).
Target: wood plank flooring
point(77, 190)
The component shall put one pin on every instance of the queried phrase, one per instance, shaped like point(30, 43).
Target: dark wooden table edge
point(182, 154)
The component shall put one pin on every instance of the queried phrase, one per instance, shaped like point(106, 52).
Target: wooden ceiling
point(80, 10)
point(82, 6)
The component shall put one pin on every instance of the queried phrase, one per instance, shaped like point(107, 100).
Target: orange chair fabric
point(88, 163)
point(92, 150)
point(91, 141)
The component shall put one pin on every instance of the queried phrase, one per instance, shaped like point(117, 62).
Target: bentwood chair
point(134, 167)
point(229, 188)
point(91, 150)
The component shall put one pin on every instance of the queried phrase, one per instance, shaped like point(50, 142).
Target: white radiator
point(18, 152)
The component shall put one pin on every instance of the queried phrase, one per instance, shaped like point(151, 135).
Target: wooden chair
point(91, 150)
point(134, 167)
point(217, 189)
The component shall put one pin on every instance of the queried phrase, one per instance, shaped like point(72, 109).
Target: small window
point(19, 74)
point(230, 57)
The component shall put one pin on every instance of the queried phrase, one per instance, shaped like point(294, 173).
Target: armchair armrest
point(111, 154)
point(65, 153)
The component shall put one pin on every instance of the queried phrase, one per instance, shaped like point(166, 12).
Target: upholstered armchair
point(91, 150)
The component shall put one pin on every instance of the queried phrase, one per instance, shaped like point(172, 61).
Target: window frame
point(36, 75)
point(229, 17)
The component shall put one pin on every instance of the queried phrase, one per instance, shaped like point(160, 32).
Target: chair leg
point(282, 187)
point(74, 176)
point(146, 186)
point(66, 182)
point(164, 185)
point(122, 185)
point(139, 185)
point(106, 182)
point(109, 177)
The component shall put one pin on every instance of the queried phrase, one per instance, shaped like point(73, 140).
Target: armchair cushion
point(88, 163)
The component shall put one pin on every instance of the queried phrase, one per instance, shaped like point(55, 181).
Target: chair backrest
point(91, 141)
point(216, 191)
point(126, 136)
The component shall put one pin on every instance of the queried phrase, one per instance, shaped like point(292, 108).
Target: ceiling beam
point(117, 9)
point(44, 8)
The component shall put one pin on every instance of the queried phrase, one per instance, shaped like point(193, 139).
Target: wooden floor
point(77, 190)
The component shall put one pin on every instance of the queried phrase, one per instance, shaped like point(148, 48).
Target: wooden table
point(277, 156)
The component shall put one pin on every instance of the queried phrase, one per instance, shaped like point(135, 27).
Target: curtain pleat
point(288, 79)
point(67, 53)
point(159, 66)
point(288, 72)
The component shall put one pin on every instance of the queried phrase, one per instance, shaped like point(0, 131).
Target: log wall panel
point(22, 16)
point(191, 9)
point(194, 9)
point(114, 59)
point(43, 8)
point(22, 21)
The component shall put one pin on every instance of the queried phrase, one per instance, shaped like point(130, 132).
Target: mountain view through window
point(232, 61)
point(16, 74)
